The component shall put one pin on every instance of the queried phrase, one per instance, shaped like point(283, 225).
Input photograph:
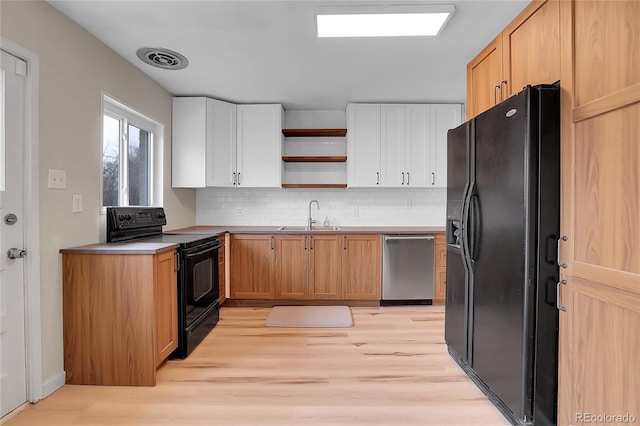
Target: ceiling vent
point(162, 58)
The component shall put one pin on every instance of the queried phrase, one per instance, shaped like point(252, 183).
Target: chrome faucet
point(310, 221)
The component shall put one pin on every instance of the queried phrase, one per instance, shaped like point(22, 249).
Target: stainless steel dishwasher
point(407, 270)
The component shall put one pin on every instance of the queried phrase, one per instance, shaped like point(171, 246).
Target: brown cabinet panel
point(252, 266)
point(439, 283)
point(292, 272)
point(530, 47)
point(484, 74)
point(325, 278)
point(440, 286)
point(166, 305)
point(362, 266)
point(606, 46)
point(222, 278)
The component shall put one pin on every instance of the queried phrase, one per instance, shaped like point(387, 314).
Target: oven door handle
point(204, 250)
point(177, 255)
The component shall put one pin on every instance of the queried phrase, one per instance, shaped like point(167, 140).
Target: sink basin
point(304, 228)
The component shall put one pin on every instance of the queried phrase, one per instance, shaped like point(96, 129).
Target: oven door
point(200, 284)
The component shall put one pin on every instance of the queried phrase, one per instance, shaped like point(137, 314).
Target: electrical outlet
point(77, 203)
point(57, 179)
point(407, 204)
point(238, 212)
point(355, 211)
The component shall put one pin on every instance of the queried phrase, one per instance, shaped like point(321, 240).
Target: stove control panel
point(119, 218)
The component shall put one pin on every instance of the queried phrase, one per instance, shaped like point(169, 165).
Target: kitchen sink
point(305, 228)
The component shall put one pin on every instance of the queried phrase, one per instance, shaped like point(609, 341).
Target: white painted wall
point(376, 206)
point(74, 69)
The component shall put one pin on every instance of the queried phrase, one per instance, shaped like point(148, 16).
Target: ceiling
point(267, 51)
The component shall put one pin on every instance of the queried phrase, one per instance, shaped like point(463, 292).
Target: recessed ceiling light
point(382, 21)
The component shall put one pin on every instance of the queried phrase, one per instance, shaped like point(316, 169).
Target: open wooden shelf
point(314, 132)
point(315, 159)
point(314, 185)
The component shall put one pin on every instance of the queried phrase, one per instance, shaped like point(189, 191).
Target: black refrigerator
point(503, 221)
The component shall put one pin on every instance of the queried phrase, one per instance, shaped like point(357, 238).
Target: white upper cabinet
point(444, 117)
point(216, 143)
point(259, 146)
point(363, 145)
point(413, 145)
point(203, 142)
point(393, 147)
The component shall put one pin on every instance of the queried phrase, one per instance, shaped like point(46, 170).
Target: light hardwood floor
point(391, 368)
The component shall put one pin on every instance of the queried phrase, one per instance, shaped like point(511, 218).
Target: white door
point(13, 387)
point(418, 151)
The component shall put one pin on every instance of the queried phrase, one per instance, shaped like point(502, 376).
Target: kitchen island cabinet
point(252, 266)
point(120, 316)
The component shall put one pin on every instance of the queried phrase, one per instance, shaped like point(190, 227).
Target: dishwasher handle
point(409, 237)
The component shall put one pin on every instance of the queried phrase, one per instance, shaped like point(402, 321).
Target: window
point(130, 144)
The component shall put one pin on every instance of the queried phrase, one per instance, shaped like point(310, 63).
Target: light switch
point(57, 179)
point(407, 204)
point(77, 203)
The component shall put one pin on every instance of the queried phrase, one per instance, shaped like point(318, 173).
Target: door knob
point(16, 253)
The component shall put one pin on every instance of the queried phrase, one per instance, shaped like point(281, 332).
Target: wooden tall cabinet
point(525, 52)
point(600, 281)
point(120, 316)
point(253, 266)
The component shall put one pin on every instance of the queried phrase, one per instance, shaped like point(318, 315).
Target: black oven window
point(202, 279)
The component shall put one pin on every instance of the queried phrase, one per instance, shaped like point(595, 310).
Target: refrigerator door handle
point(464, 235)
point(474, 224)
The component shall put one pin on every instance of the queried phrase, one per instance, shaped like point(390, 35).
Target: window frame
point(128, 116)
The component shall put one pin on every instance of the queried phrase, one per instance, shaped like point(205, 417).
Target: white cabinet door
point(188, 140)
point(259, 145)
point(418, 146)
point(393, 147)
point(221, 143)
point(203, 151)
point(443, 118)
point(363, 145)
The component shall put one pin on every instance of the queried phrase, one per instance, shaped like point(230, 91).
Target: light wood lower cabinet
point(221, 271)
point(325, 260)
point(440, 278)
point(308, 267)
point(362, 267)
point(252, 266)
point(292, 268)
point(120, 317)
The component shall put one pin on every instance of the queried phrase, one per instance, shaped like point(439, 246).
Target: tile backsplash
point(343, 207)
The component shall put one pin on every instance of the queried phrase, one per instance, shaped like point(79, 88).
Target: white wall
point(74, 68)
point(377, 206)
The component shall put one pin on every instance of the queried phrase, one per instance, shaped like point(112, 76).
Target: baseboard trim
point(52, 385)
point(269, 303)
